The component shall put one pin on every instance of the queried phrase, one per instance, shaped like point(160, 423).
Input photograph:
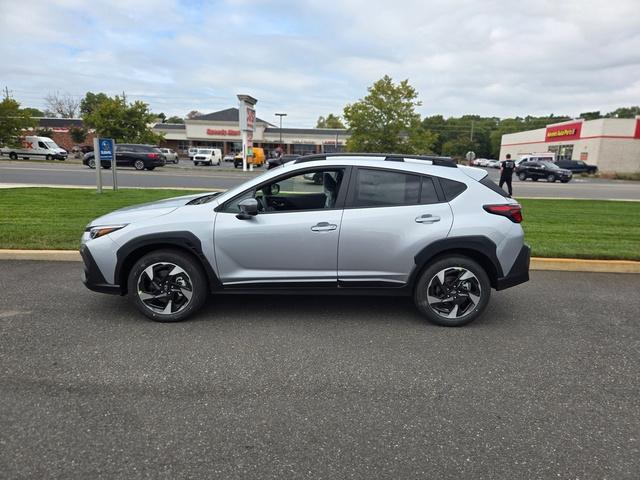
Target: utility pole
point(6, 92)
point(471, 137)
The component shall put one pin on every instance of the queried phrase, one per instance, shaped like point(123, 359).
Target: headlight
point(99, 231)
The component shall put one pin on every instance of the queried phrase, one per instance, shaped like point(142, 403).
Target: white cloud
point(309, 58)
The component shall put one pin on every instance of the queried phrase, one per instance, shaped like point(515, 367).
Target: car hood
point(147, 210)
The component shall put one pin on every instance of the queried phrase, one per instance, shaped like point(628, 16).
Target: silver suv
point(374, 224)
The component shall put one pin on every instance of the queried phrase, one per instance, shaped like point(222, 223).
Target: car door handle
point(324, 227)
point(427, 218)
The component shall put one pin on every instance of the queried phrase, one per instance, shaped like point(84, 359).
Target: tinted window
point(452, 188)
point(42, 145)
point(381, 188)
point(428, 193)
point(490, 184)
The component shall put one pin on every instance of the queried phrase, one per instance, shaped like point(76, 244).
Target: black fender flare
point(478, 247)
point(128, 253)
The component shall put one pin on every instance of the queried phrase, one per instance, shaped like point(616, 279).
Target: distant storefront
point(613, 144)
point(222, 130)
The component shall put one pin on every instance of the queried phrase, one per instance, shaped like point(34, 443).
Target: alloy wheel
point(454, 292)
point(165, 288)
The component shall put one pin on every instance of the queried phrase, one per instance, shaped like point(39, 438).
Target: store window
point(563, 152)
point(303, 148)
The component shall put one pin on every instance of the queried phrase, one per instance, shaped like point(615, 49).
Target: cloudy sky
point(310, 58)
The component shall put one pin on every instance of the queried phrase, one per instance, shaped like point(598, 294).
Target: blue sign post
point(104, 149)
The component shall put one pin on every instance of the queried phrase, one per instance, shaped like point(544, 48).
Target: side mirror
point(248, 208)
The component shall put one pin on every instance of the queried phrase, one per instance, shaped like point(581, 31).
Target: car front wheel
point(167, 285)
point(138, 165)
point(452, 291)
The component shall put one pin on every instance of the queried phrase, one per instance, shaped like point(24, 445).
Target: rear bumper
point(519, 272)
point(92, 276)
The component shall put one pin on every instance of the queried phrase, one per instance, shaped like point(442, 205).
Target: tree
point(193, 114)
point(78, 134)
point(90, 101)
point(624, 112)
point(331, 121)
point(44, 132)
point(122, 121)
point(62, 104)
point(13, 122)
point(33, 112)
point(175, 119)
point(591, 115)
point(160, 116)
point(382, 121)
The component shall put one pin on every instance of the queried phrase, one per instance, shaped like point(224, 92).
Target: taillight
point(152, 155)
point(512, 212)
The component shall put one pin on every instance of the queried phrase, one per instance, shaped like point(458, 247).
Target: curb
point(537, 263)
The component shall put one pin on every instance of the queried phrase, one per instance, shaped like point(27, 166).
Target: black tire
point(195, 276)
point(429, 274)
point(138, 165)
point(535, 179)
point(235, 165)
point(317, 179)
point(48, 157)
point(92, 163)
point(564, 181)
point(13, 156)
point(522, 176)
point(551, 178)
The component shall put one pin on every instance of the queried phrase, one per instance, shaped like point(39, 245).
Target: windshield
point(204, 151)
point(550, 165)
point(51, 145)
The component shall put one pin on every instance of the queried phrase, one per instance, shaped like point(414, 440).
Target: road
point(180, 176)
point(545, 385)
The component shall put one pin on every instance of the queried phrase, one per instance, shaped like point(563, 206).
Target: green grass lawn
point(54, 218)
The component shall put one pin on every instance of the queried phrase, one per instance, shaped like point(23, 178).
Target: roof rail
point(389, 157)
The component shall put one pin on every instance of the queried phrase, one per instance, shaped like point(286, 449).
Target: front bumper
point(519, 272)
point(92, 276)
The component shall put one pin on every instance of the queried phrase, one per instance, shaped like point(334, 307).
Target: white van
point(207, 156)
point(36, 147)
point(537, 157)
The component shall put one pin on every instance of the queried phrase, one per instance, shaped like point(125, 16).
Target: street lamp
point(281, 115)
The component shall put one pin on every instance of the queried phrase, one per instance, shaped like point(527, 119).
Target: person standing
point(506, 172)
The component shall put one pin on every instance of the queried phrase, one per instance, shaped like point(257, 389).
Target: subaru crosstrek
point(375, 224)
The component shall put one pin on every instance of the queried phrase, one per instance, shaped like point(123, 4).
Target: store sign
point(637, 134)
point(223, 132)
point(568, 131)
point(247, 118)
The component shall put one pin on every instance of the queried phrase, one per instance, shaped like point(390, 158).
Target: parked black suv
point(131, 155)
point(547, 170)
point(577, 166)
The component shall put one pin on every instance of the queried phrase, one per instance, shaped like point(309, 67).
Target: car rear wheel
point(167, 285)
point(92, 163)
point(49, 157)
point(138, 165)
point(13, 156)
point(452, 291)
point(522, 176)
point(551, 178)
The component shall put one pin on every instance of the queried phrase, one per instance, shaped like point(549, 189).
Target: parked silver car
point(169, 155)
point(382, 225)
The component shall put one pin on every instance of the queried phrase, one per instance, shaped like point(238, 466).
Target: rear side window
point(451, 188)
point(490, 184)
point(428, 193)
point(381, 188)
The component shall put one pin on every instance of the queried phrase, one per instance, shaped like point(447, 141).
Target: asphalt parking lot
point(545, 385)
